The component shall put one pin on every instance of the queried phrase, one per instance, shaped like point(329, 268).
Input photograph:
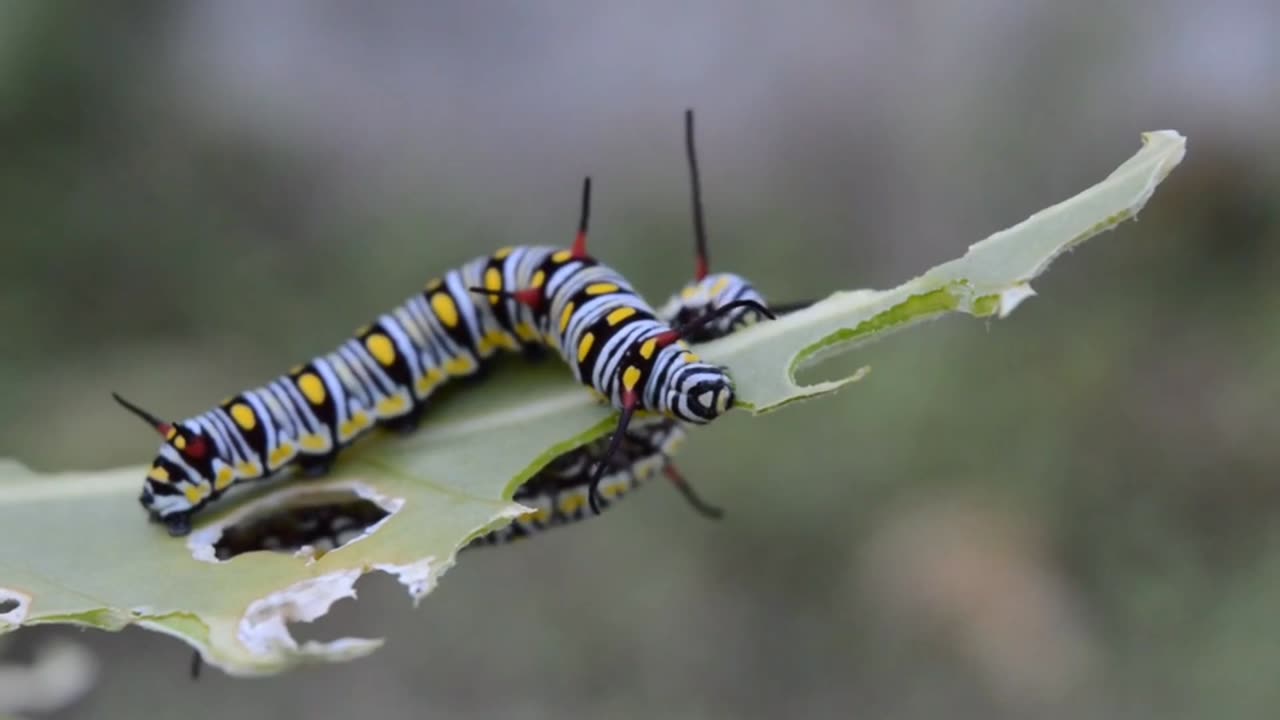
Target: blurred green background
point(1070, 513)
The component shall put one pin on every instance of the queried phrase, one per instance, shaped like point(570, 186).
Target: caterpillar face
point(698, 392)
point(700, 297)
point(181, 478)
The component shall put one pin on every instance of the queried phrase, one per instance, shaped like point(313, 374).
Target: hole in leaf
point(13, 606)
point(305, 522)
point(323, 527)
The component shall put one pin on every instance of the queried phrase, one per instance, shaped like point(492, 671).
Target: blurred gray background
point(1071, 513)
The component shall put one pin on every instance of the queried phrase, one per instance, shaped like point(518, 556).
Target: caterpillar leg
point(534, 353)
point(177, 524)
point(481, 374)
point(406, 423)
point(703, 507)
point(688, 328)
point(315, 466)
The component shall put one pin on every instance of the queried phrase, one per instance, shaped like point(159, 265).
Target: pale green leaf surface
point(992, 278)
point(75, 548)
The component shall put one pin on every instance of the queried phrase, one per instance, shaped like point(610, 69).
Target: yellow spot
point(720, 285)
point(445, 309)
point(224, 478)
point(391, 406)
point(601, 288)
point(599, 396)
point(614, 491)
point(493, 281)
point(562, 256)
point(565, 316)
point(500, 339)
point(352, 427)
point(646, 350)
point(244, 417)
point(429, 380)
point(571, 504)
point(689, 291)
point(539, 278)
point(690, 358)
point(283, 453)
point(584, 346)
point(434, 285)
point(347, 430)
point(248, 470)
point(620, 314)
point(159, 474)
point(381, 348)
point(192, 493)
point(526, 332)
point(461, 365)
point(630, 377)
point(314, 443)
point(312, 387)
point(502, 253)
point(170, 435)
point(180, 443)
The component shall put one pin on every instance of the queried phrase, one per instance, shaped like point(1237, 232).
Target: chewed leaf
point(75, 547)
point(991, 279)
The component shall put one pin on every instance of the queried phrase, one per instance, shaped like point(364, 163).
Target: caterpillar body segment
point(559, 494)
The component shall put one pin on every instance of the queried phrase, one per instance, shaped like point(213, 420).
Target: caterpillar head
point(687, 388)
point(700, 393)
point(701, 297)
point(178, 481)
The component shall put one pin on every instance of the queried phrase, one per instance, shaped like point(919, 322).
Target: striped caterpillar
point(559, 493)
point(517, 299)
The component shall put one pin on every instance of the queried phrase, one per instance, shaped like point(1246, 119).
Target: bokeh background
point(1071, 513)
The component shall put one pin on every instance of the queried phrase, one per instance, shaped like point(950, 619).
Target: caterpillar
point(518, 298)
point(708, 307)
point(558, 494)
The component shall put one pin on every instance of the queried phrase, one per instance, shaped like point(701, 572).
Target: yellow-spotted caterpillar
point(559, 493)
point(515, 299)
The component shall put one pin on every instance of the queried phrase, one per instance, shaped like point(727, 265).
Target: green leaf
point(74, 547)
point(991, 279)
